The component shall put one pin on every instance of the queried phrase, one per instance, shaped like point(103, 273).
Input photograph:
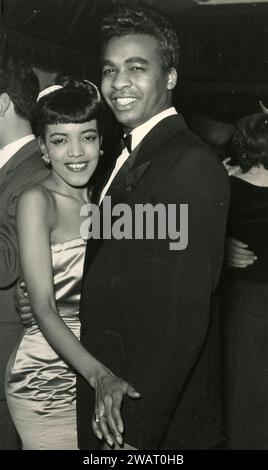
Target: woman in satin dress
point(40, 376)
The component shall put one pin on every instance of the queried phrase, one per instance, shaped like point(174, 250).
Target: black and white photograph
point(133, 228)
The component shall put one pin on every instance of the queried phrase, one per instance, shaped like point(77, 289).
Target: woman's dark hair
point(77, 101)
point(250, 141)
point(143, 20)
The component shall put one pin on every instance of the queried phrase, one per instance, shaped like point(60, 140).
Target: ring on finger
point(98, 414)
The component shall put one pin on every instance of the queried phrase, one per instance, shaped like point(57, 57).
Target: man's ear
point(4, 103)
point(172, 78)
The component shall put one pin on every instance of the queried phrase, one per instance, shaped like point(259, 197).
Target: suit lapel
point(125, 178)
point(141, 158)
point(3, 172)
point(157, 137)
point(131, 172)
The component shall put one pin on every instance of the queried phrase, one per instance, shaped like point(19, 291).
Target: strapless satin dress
point(40, 386)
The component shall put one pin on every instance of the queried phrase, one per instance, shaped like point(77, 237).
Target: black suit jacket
point(149, 313)
point(24, 169)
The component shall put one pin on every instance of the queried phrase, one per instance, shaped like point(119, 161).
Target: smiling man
point(134, 83)
point(147, 312)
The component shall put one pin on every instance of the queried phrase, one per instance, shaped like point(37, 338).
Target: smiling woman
point(40, 378)
point(73, 151)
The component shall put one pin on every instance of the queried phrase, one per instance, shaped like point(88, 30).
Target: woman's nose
point(76, 149)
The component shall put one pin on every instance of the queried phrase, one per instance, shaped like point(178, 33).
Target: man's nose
point(121, 80)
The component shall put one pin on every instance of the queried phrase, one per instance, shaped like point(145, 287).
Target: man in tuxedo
point(149, 312)
point(20, 167)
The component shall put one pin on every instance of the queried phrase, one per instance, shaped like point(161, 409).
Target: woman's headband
point(96, 88)
point(48, 90)
point(53, 88)
point(264, 109)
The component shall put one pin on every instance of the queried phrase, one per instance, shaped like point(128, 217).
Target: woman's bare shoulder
point(37, 195)
point(39, 201)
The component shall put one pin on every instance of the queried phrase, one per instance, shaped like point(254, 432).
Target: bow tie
point(126, 142)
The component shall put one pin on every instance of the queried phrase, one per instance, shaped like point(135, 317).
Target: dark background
point(224, 49)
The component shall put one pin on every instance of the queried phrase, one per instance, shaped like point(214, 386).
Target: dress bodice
point(35, 371)
point(67, 263)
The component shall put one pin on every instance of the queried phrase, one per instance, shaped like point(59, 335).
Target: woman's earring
point(46, 159)
point(101, 153)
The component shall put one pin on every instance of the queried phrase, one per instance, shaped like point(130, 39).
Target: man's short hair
point(18, 80)
point(143, 20)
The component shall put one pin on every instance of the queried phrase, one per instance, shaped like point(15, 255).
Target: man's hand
point(237, 254)
point(22, 304)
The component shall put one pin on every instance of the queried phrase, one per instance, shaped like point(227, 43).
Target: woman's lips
point(77, 167)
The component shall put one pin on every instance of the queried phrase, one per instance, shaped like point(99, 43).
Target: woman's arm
point(33, 223)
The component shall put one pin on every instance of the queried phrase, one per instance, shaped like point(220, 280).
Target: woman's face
point(73, 150)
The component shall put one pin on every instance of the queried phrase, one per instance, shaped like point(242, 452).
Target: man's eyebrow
point(131, 60)
point(141, 60)
point(107, 62)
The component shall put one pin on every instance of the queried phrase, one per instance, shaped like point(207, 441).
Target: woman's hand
point(110, 390)
point(232, 170)
point(22, 304)
point(125, 446)
point(237, 254)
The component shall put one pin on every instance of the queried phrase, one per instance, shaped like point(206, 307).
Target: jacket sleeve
point(8, 256)
point(25, 175)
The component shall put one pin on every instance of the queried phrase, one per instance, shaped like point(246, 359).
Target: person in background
point(20, 167)
point(244, 292)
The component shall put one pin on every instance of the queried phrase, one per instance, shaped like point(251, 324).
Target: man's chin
point(127, 122)
point(124, 117)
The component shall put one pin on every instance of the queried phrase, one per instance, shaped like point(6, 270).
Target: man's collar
point(18, 143)
point(141, 131)
point(7, 152)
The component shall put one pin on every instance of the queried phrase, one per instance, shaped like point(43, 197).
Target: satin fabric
point(40, 386)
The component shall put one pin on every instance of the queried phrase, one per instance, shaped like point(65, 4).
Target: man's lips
point(121, 103)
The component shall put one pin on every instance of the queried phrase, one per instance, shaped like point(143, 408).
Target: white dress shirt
point(138, 135)
point(9, 150)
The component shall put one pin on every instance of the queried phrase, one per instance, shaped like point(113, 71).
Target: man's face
point(134, 83)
